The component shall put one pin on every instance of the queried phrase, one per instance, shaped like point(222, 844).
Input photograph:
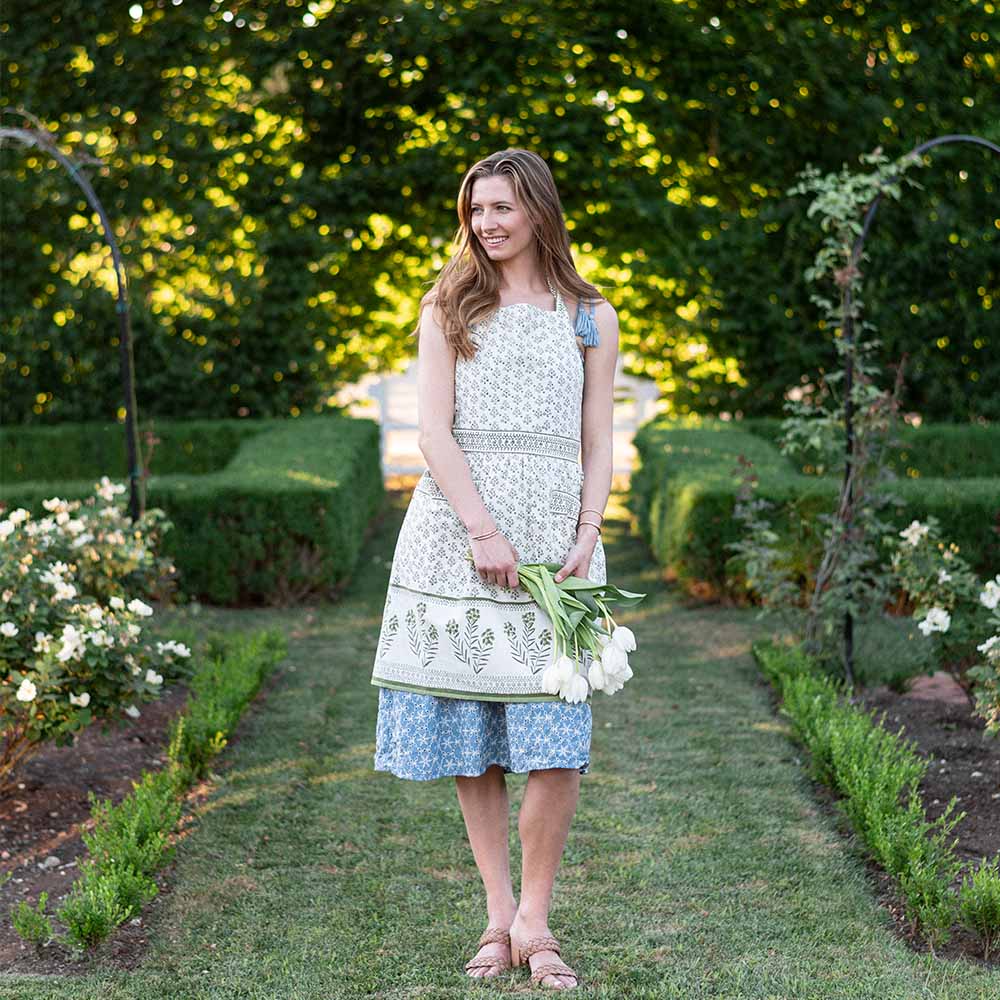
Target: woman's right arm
point(494, 557)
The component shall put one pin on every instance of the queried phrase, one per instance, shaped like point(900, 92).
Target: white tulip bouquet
point(576, 606)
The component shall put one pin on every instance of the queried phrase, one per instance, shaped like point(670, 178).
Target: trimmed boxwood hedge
point(684, 491)
point(284, 517)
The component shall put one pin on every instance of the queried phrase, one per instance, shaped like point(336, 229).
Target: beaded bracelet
point(488, 534)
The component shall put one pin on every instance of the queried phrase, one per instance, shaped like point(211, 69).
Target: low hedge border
point(285, 518)
point(877, 773)
point(684, 492)
point(131, 840)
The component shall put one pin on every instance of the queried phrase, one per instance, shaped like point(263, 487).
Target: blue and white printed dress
point(459, 660)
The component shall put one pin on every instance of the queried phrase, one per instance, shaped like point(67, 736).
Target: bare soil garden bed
point(42, 819)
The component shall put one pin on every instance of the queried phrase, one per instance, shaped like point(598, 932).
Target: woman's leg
point(486, 809)
point(547, 810)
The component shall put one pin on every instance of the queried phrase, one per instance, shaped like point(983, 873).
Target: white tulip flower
point(623, 638)
point(614, 659)
point(596, 675)
point(550, 679)
point(576, 690)
point(565, 668)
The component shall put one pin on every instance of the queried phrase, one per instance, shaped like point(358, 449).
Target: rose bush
point(70, 635)
point(952, 603)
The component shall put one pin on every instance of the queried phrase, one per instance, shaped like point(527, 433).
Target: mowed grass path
point(697, 865)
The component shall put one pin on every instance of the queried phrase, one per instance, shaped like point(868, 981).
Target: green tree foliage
point(282, 176)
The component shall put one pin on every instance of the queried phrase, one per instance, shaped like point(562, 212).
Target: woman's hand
point(496, 560)
point(578, 561)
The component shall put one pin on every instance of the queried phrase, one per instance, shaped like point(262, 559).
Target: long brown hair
point(468, 288)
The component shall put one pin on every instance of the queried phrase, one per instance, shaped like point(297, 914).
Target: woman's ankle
point(532, 918)
point(501, 912)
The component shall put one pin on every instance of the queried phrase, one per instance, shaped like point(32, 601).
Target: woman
point(513, 378)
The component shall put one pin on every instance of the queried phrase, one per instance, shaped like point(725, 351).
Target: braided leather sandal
point(520, 954)
point(492, 935)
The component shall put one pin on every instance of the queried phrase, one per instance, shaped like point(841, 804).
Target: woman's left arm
point(597, 425)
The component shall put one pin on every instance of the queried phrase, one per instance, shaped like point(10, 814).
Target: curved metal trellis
point(848, 333)
point(39, 136)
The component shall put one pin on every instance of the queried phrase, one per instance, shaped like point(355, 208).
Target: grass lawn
point(697, 866)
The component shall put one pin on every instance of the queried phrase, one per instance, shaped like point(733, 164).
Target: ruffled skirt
point(424, 736)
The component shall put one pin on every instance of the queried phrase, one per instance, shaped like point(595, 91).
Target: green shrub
point(134, 833)
point(285, 517)
point(220, 690)
point(684, 493)
point(93, 909)
point(979, 903)
point(31, 922)
point(877, 773)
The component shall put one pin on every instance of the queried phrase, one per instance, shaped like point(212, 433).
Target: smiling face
point(497, 214)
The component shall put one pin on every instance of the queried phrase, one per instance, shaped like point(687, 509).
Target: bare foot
point(524, 931)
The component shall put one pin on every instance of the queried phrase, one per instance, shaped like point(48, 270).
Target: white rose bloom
point(27, 691)
point(937, 620)
point(7, 595)
point(993, 642)
point(943, 576)
point(62, 517)
point(133, 712)
point(138, 607)
point(6, 528)
point(990, 597)
point(623, 638)
point(914, 532)
point(42, 642)
point(96, 614)
point(9, 629)
point(19, 515)
point(152, 677)
point(83, 700)
point(64, 592)
point(117, 603)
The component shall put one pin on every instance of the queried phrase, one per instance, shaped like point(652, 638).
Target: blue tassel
point(585, 325)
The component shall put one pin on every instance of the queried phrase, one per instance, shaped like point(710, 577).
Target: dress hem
point(519, 699)
point(582, 768)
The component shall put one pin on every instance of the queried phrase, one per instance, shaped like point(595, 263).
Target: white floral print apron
point(445, 631)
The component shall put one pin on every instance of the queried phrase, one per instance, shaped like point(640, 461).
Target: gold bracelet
point(594, 510)
point(489, 534)
point(580, 524)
